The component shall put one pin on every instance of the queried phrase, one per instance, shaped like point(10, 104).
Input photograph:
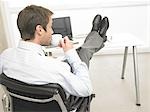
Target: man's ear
point(39, 29)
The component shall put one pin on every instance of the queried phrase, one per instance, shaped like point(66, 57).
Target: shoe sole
point(104, 26)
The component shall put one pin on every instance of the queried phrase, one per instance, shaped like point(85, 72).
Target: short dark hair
point(29, 18)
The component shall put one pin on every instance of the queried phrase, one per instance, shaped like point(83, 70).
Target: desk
point(117, 41)
point(128, 40)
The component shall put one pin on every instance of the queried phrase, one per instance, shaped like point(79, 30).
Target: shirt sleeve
point(80, 78)
point(74, 59)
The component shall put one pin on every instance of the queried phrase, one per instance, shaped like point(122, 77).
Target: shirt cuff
point(72, 56)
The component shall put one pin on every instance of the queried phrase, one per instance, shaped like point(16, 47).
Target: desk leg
point(124, 62)
point(136, 75)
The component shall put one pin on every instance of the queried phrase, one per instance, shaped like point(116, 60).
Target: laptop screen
point(62, 25)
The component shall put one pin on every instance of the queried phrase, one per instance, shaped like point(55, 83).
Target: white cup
point(56, 38)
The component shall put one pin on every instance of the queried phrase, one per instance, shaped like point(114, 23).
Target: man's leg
point(93, 43)
point(95, 39)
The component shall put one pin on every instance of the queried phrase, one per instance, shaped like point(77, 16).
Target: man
point(28, 63)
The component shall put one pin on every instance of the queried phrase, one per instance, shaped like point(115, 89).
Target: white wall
point(125, 17)
point(3, 43)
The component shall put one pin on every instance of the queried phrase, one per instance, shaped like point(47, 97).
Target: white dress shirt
point(28, 63)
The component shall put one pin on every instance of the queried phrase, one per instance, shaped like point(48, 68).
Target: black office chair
point(23, 97)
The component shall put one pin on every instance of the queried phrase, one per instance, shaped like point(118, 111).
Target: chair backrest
point(35, 95)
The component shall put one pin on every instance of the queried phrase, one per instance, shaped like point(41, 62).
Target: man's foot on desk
point(96, 23)
point(103, 28)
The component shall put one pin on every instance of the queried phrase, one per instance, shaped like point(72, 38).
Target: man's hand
point(66, 44)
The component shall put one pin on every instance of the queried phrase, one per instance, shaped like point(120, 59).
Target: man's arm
point(79, 80)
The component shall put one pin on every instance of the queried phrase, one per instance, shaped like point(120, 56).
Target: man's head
point(35, 24)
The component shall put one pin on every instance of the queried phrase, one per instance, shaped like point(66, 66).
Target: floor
point(114, 94)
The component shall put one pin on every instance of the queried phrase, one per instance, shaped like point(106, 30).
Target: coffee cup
point(56, 38)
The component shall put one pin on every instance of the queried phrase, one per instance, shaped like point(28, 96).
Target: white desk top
point(116, 41)
point(122, 40)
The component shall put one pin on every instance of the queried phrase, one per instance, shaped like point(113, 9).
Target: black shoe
point(103, 28)
point(96, 23)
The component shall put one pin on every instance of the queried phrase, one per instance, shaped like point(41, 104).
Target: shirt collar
point(31, 46)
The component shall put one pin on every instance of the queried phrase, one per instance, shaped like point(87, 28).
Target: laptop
point(62, 25)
